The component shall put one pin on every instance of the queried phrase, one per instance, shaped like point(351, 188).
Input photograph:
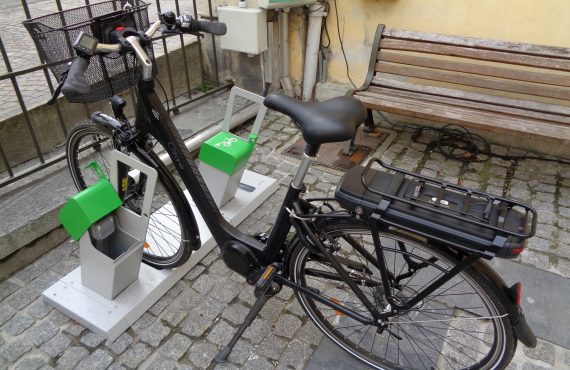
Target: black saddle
point(330, 121)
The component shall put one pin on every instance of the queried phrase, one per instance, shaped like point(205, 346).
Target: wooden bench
point(499, 86)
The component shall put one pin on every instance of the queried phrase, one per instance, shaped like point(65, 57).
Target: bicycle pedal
point(264, 282)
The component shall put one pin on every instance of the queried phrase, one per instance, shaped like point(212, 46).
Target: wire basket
point(54, 35)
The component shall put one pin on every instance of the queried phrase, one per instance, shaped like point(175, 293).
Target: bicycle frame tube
point(153, 118)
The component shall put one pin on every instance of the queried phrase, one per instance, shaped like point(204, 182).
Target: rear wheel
point(171, 230)
point(461, 325)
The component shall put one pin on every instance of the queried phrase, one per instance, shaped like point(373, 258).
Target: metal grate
point(330, 155)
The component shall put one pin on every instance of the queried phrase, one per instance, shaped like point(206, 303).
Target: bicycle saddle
point(329, 121)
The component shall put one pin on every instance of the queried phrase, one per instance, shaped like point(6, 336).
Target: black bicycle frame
point(151, 117)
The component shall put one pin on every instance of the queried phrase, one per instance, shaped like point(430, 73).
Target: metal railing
point(42, 158)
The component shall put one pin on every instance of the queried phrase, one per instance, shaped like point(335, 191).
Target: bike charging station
point(108, 293)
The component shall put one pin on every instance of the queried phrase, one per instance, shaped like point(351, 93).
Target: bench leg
point(348, 147)
point(369, 124)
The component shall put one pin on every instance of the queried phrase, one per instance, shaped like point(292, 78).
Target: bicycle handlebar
point(75, 84)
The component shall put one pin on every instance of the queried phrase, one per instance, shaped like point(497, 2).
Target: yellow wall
point(544, 22)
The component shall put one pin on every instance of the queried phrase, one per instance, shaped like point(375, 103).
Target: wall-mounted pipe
point(316, 14)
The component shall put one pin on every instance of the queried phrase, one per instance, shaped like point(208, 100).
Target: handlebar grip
point(75, 83)
point(214, 28)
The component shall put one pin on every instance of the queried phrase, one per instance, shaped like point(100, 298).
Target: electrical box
point(247, 29)
point(279, 4)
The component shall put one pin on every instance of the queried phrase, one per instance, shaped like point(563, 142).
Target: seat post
point(309, 154)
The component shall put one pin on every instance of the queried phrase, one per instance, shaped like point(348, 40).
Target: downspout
point(316, 14)
point(284, 51)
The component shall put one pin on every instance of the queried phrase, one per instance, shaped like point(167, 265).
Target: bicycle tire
point(458, 336)
point(171, 229)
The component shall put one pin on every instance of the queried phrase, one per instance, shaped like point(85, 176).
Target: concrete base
point(110, 318)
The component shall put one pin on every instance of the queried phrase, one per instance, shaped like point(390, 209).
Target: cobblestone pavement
point(22, 52)
point(189, 324)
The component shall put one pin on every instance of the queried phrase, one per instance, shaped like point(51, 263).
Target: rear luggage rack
point(501, 220)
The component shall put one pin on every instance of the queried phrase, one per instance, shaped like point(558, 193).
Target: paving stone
point(98, 360)
point(210, 257)
point(154, 334)
point(310, 334)
point(272, 309)
point(71, 357)
point(296, 354)
point(219, 268)
point(257, 363)
point(162, 364)
point(143, 322)
point(116, 366)
point(221, 334)
point(15, 350)
point(43, 332)
point(535, 259)
point(39, 310)
point(201, 354)
point(74, 329)
point(135, 355)
point(285, 294)
point(175, 347)
point(28, 273)
point(44, 281)
point(564, 267)
point(194, 273)
point(58, 318)
point(295, 308)
point(226, 290)
point(205, 283)
point(226, 366)
point(287, 326)
point(258, 329)
point(30, 363)
point(546, 231)
point(272, 347)
point(56, 345)
point(7, 287)
point(120, 344)
point(242, 352)
point(17, 324)
point(64, 267)
point(22, 297)
point(167, 299)
point(539, 244)
point(202, 317)
point(6, 313)
point(235, 313)
point(247, 295)
point(91, 339)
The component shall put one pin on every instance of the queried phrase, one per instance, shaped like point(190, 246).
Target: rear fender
point(521, 329)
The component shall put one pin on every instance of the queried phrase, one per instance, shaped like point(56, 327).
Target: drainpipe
point(284, 51)
point(316, 15)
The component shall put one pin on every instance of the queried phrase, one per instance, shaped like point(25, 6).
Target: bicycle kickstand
point(265, 288)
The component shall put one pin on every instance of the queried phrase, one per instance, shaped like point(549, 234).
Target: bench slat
point(473, 53)
point(473, 96)
point(485, 70)
point(380, 92)
point(467, 80)
point(467, 117)
point(474, 42)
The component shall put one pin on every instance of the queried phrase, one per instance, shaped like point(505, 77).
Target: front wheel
point(171, 229)
point(461, 325)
